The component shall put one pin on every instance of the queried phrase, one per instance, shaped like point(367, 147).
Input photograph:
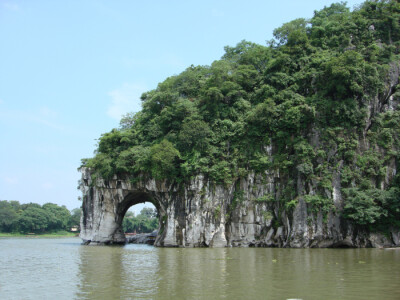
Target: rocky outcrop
point(142, 238)
point(201, 214)
point(248, 212)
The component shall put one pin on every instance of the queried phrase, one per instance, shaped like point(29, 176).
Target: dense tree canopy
point(145, 222)
point(257, 107)
point(33, 218)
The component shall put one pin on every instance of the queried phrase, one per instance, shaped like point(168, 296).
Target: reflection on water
point(63, 269)
point(117, 272)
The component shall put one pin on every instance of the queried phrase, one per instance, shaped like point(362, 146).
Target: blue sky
point(70, 69)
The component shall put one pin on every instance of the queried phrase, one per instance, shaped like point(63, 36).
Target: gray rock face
point(142, 238)
point(200, 214)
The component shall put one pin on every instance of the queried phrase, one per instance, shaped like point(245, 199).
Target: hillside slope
point(313, 116)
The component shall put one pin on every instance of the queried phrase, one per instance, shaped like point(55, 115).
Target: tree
point(75, 219)
point(363, 206)
point(34, 219)
point(59, 216)
point(8, 216)
point(194, 134)
point(164, 158)
point(127, 120)
point(148, 212)
point(292, 33)
point(145, 222)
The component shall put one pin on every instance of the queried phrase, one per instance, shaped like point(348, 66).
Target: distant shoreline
point(41, 235)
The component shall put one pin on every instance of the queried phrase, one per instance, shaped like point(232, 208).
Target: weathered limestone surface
point(142, 238)
point(200, 214)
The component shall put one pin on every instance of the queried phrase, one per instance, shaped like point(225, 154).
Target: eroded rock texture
point(251, 211)
point(200, 214)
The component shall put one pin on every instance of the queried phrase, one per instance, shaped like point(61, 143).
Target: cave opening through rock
point(139, 217)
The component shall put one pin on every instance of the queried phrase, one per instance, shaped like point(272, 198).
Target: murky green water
point(63, 269)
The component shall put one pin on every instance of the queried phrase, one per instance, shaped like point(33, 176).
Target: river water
point(35, 268)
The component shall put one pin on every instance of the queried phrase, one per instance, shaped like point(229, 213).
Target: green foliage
point(33, 218)
point(268, 216)
point(164, 160)
point(265, 198)
point(9, 216)
point(321, 204)
point(59, 217)
point(343, 75)
point(292, 33)
point(194, 134)
point(238, 197)
point(217, 212)
point(377, 208)
point(75, 219)
point(145, 222)
point(135, 159)
point(291, 205)
point(362, 206)
point(103, 164)
point(302, 106)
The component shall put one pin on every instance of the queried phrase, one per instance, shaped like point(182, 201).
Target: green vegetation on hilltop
point(303, 106)
point(34, 218)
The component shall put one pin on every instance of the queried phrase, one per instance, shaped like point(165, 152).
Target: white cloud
point(125, 99)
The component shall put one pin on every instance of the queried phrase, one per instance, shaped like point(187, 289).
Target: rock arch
point(200, 213)
point(105, 203)
point(184, 217)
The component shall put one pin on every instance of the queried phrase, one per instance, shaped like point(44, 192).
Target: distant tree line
point(145, 222)
point(35, 218)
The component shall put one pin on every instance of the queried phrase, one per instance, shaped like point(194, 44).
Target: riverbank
point(61, 234)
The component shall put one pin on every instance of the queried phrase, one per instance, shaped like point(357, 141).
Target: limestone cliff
point(201, 214)
point(250, 211)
